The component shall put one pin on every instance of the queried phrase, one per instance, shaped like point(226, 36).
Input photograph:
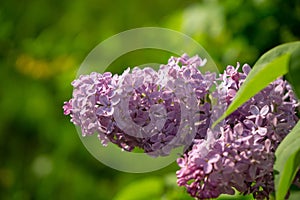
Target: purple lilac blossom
point(242, 157)
point(143, 108)
point(158, 111)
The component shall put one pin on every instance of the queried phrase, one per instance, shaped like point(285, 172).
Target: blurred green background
point(42, 46)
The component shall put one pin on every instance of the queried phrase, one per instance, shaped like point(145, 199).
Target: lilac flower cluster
point(157, 111)
point(241, 154)
point(142, 108)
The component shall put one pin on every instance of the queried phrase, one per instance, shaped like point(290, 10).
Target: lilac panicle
point(242, 157)
point(144, 108)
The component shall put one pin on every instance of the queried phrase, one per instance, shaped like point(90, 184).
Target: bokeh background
point(43, 43)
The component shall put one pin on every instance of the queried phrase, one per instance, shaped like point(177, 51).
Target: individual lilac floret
point(242, 157)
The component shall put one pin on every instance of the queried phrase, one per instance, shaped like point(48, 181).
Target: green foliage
point(153, 188)
point(150, 188)
point(287, 162)
point(236, 196)
point(294, 70)
point(295, 193)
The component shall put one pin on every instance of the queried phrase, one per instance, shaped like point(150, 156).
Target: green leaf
point(294, 71)
point(287, 162)
point(270, 66)
point(259, 77)
point(148, 189)
point(295, 195)
point(236, 196)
